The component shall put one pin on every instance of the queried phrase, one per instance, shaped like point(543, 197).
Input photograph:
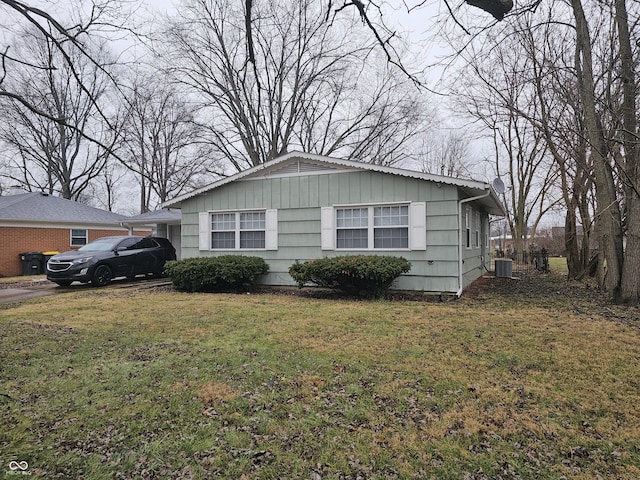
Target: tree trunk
point(585, 220)
point(630, 282)
point(608, 217)
point(571, 245)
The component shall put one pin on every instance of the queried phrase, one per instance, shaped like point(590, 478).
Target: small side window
point(467, 221)
point(78, 238)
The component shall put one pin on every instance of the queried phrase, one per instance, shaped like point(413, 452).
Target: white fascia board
point(67, 225)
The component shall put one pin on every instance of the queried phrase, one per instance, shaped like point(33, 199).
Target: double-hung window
point(252, 229)
point(78, 237)
point(391, 227)
point(239, 230)
point(352, 227)
point(223, 230)
point(372, 227)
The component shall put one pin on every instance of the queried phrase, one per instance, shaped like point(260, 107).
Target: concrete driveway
point(35, 287)
point(25, 290)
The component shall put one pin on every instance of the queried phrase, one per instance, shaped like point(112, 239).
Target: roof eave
point(473, 184)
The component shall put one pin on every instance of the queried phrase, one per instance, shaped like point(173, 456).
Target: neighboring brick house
point(37, 222)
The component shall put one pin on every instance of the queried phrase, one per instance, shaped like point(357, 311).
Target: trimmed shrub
point(359, 275)
point(216, 274)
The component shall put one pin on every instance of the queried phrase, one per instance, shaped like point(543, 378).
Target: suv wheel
point(101, 276)
point(159, 274)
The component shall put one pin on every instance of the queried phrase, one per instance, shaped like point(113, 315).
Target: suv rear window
point(146, 242)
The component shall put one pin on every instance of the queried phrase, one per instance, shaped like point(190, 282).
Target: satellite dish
point(498, 185)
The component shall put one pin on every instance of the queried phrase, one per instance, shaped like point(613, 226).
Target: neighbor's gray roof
point(471, 188)
point(169, 216)
point(36, 207)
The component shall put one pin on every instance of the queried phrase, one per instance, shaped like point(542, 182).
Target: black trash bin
point(32, 263)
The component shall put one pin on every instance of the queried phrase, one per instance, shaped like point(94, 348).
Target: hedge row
point(216, 274)
point(359, 275)
point(367, 276)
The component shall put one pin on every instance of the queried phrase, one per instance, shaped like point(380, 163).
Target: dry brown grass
point(528, 379)
point(212, 393)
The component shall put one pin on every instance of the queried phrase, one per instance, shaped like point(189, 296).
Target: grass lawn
point(523, 379)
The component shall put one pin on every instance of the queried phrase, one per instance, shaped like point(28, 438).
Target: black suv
point(109, 257)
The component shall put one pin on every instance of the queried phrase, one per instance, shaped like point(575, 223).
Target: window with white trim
point(372, 227)
point(467, 222)
point(477, 228)
point(238, 230)
point(392, 226)
point(79, 237)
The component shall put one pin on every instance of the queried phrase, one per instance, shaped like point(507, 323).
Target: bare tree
point(582, 113)
point(445, 154)
point(586, 112)
point(110, 16)
point(609, 217)
point(309, 86)
point(370, 13)
point(52, 155)
point(162, 143)
point(630, 276)
point(110, 187)
point(375, 119)
point(551, 74)
point(497, 93)
point(67, 34)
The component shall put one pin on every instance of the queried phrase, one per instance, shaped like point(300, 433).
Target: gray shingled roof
point(166, 215)
point(40, 207)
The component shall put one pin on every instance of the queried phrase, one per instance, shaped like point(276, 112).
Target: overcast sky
point(419, 27)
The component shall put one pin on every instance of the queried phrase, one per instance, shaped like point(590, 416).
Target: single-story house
point(302, 206)
point(165, 223)
point(37, 222)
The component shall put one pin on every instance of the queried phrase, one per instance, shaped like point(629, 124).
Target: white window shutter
point(271, 234)
point(327, 234)
point(204, 231)
point(418, 226)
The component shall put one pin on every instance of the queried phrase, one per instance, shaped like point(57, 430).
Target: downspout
point(465, 200)
point(127, 226)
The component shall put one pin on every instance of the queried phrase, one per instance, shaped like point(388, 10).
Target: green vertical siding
point(474, 258)
point(298, 200)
